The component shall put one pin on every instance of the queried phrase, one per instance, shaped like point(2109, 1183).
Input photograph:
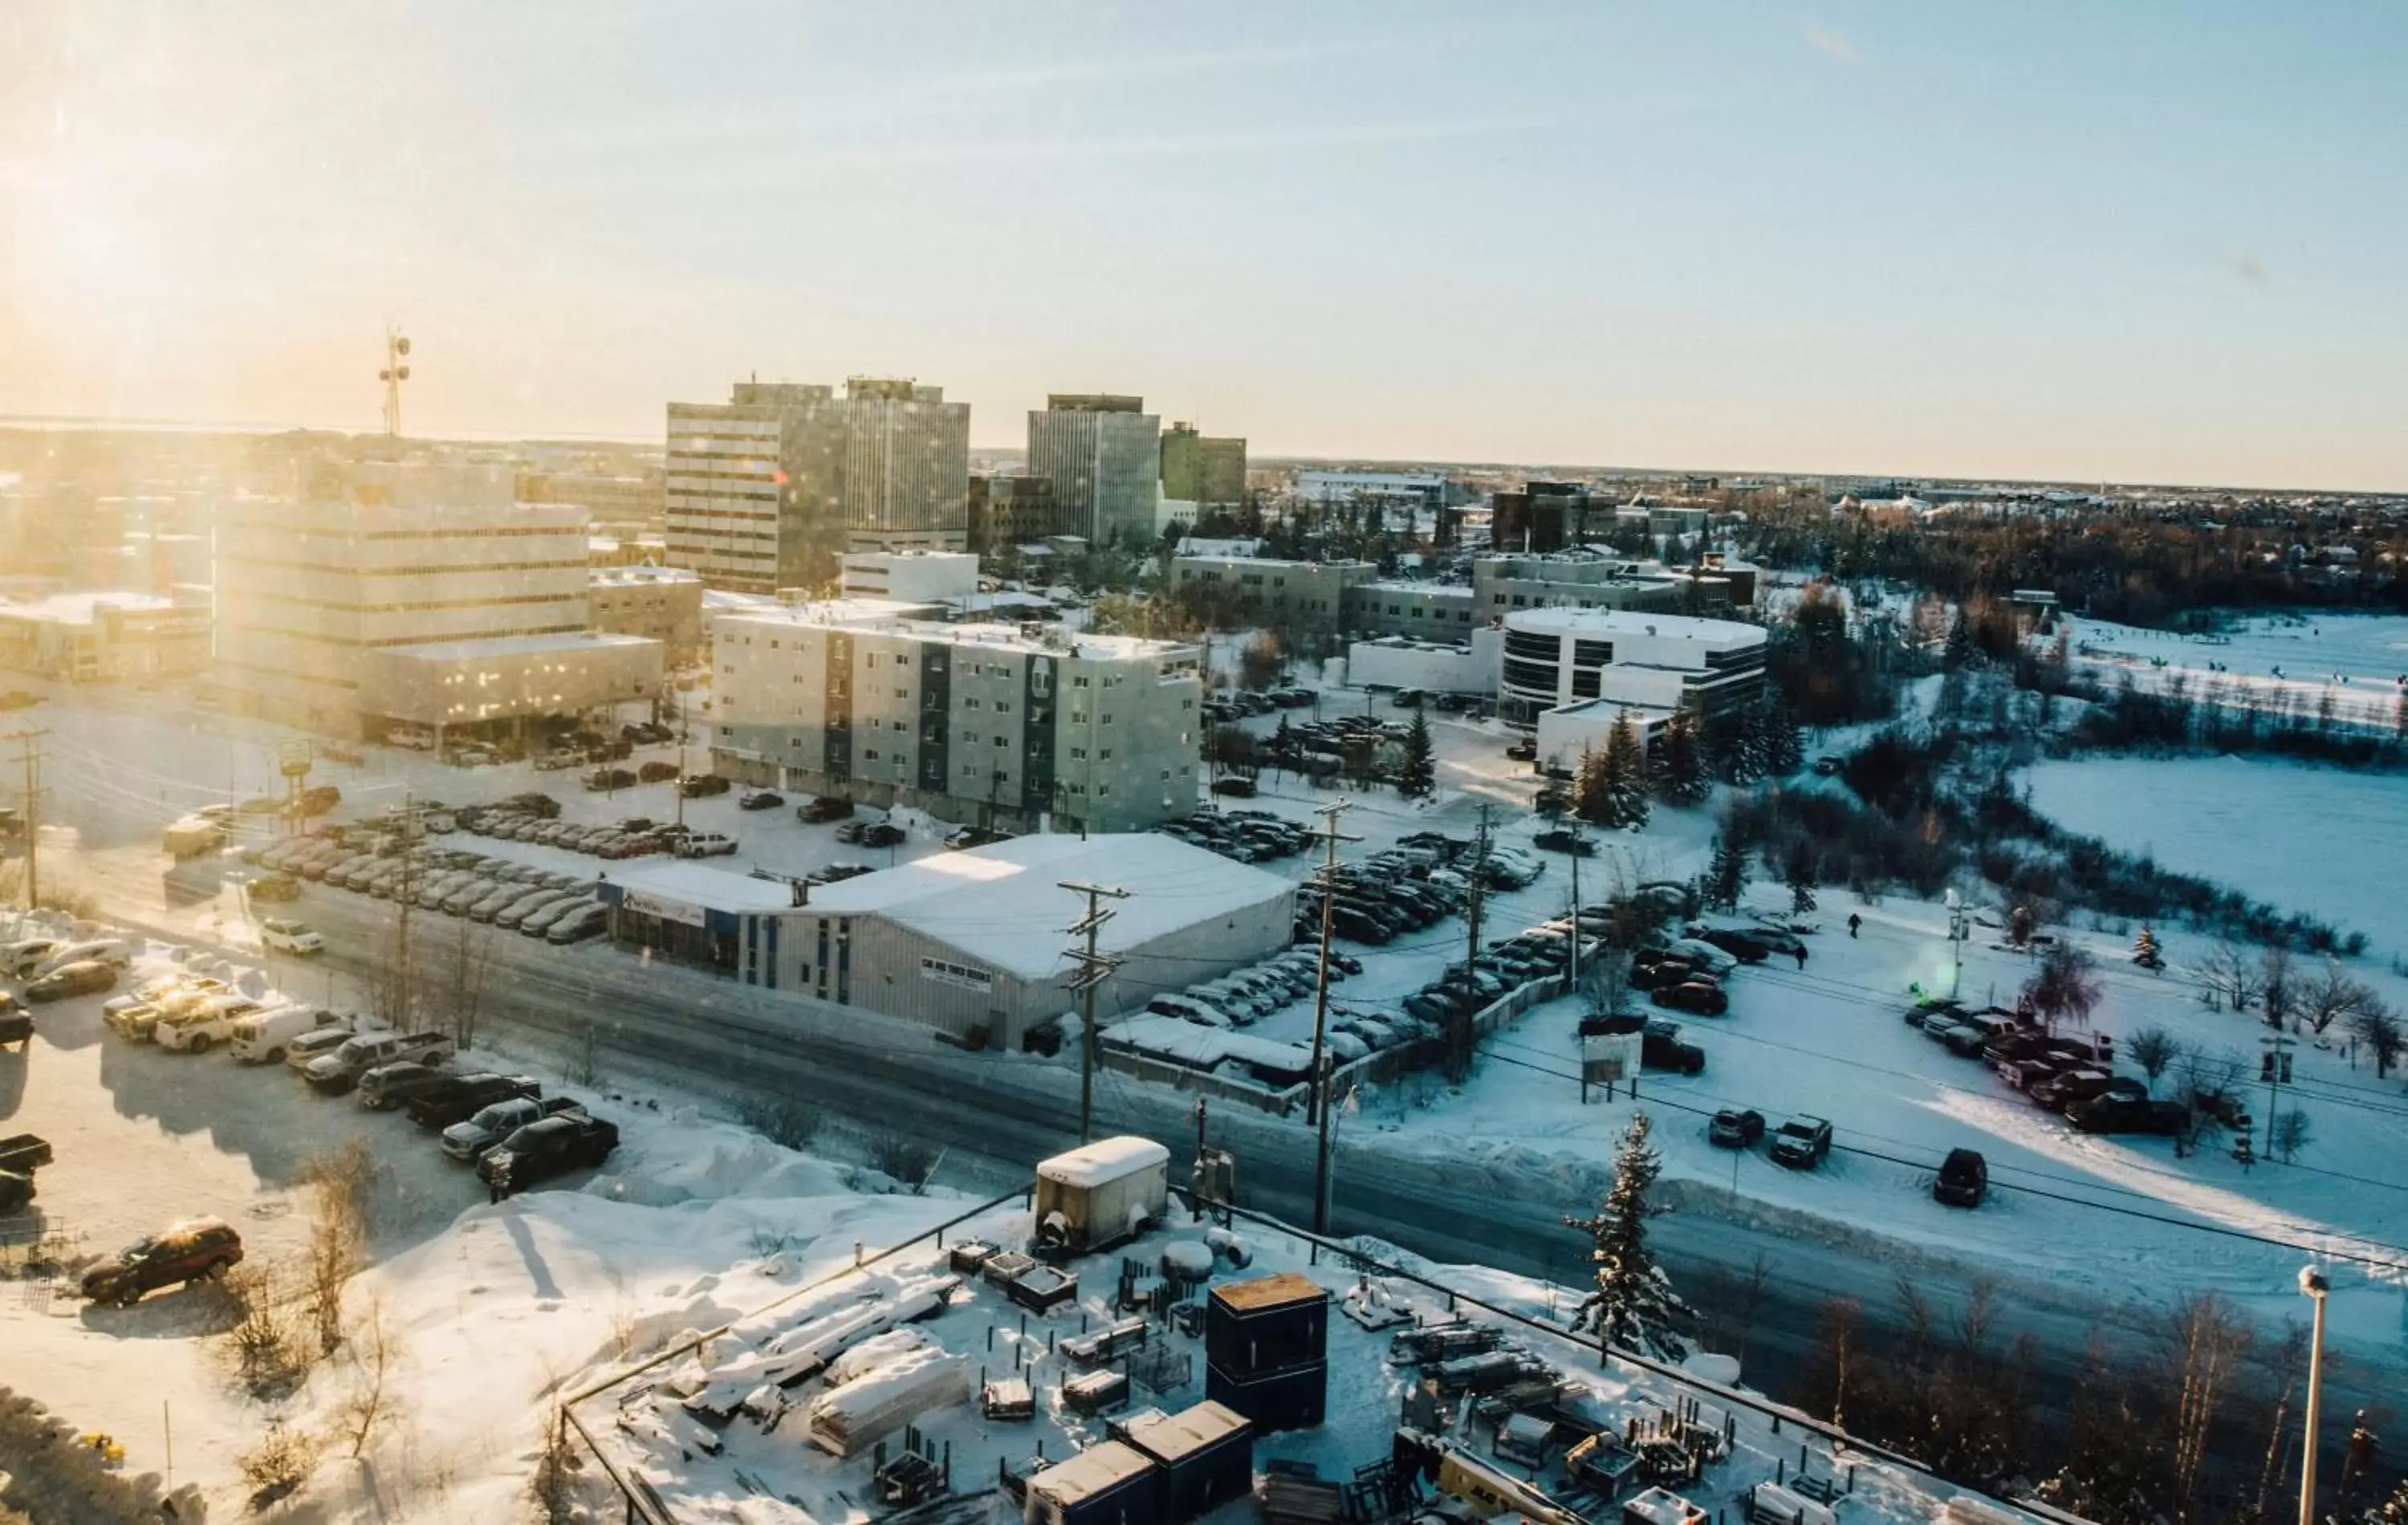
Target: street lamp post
point(2314, 1284)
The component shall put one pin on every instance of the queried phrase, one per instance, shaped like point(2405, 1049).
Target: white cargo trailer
point(1101, 1193)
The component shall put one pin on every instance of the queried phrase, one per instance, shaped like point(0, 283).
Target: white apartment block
point(910, 577)
point(1000, 725)
point(378, 556)
point(1103, 453)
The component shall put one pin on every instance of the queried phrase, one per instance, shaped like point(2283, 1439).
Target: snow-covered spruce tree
point(1725, 876)
point(2145, 951)
point(1418, 777)
point(1682, 762)
point(1798, 874)
point(1785, 749)
point(1625, 776)
point(1634, 1306)
point(1591, 796)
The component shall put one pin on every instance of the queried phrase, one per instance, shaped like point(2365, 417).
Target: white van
point(107, 950)
point(262, 1037)
point(201, 1027)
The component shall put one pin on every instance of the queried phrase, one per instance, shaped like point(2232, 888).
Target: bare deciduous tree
point(2065, 987)
point(471, 966)
point(2329, 995)
point(372, 1355)
point(2379, 1030)
point(338, 1233)
point(2154, 1050)
point(2228, 977)
point(2275, 983)
point(2291, 1133)
point(2204, 1340)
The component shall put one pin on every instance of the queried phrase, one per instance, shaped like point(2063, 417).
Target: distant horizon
point(32, 424)
point(2067, 244)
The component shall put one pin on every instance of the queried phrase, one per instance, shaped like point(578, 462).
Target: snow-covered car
point(705, 844)
point(546, 917)
point(290, 936)
point(579, 925)
point(1803, 1142)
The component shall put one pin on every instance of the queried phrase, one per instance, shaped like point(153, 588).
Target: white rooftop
point(1002, 904)
point(1629, 621)
point(699, 884)
point(884, 616)
point(1105, 1160)
point(505, 646)
point(82, 608)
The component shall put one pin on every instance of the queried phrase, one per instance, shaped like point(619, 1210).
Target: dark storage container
point(1293, 1398)
point(1206, 1454)
point(1267, 1324)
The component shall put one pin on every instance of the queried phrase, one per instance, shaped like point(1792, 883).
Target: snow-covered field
point(2295, 663)
point(2325, 840)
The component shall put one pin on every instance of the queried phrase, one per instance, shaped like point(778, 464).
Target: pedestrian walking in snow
point(1854, 921)
point(1801, 956)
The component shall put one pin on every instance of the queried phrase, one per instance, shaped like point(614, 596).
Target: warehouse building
point(972, 943)
point(748, 930)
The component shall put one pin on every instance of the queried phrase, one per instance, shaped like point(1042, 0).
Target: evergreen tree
point(1741, 735)
point(1798, 876)
point(1282, 744)
point(1419, 775)
point(1959, 649)
point(1725, 876)
point(1681, 774)
point(1625, 776)
point(1785, 749)
point(2146, 952)
point(1634, 1305)
point(1591, 795)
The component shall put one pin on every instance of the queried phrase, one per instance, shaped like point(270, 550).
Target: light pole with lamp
point(2313, 1284)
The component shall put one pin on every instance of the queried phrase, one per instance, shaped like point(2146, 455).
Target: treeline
point(2128, 565)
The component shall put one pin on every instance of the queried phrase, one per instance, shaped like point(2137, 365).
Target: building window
point(1078, 753)
point(869, 755)
point(971, 737)
point(969, 704)
point(1108, 720)
point(1003, 707)
point(1102, 789)
point(1079, 682)
point(1105, 755)
point(1000, 741)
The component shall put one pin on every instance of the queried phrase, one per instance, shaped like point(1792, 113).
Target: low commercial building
point(489, 689)
point(107, 638)
point(972, 943)
point(996, 724)
point(1441, 611)
point(1297, 598)
point(1584, 580)
point(1572, 732)
point(1559, 657)
point(1414, 491)
point(659, 603)
point(1467, 667)
point(1014, 510)
point(749, 929)
point(911, 577)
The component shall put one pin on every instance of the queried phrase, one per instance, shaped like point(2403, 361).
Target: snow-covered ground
point(2325, 840)
point(2290, 662)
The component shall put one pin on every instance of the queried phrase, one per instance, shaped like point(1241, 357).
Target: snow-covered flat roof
point(693, 884)
point(509, 646)
point(1002, 904)
point(1627, 622)
point(82, 608)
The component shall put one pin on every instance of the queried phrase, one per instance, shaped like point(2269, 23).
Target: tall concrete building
point(766, 490)
point(995, 723)
point(1202, 469)
point(1104, 454)
point(401, 592)
point(1014, 510)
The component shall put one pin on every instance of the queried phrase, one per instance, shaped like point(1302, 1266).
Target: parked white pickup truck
point(337, 1072)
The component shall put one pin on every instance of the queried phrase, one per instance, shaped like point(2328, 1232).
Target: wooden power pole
point(1317, 1099)
point(29, 753)
point(1094, 969)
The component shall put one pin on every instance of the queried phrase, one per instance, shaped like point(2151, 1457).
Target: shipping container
point(1206, 1453)
point(1295, 1398)
point(1110, 1484)
point(1267, 1324)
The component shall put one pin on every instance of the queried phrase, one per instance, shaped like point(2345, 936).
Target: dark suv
point(541, 1150)
point(1733, 1129)
point(1803, 1142)
point(1964, 1178)
point(457, 1098)
point(200, 1250)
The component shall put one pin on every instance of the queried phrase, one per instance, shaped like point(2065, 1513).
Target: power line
point(1094, 969)
point(29, 753)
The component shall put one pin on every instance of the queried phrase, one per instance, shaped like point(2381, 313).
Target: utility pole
point(685, 731)
point(1460, 1037)
point(2278, 1070)
point(1317, 1100)
point(2313, 1284)
point(29, 753)
point(1572, 984)
point(1093, 967)
point(405, 896)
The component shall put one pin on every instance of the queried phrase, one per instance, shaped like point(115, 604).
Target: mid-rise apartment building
point(376, 557)
point(910, 577)
point(1103, 453)
point(995, 723)
point(764, 491)
point(1208, 471)
point(107, 638)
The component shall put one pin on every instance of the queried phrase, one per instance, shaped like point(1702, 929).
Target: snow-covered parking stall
point(972, 943)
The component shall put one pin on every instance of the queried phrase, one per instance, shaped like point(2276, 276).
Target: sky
point(2129, 242)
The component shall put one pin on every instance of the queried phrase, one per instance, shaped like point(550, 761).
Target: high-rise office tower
point(1202, 469)
point(767, 489)
point(1104, 454)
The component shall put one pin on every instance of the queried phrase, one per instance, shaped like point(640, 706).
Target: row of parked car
point(1238, 999)
point(1247, 701)
point(2071, 1076)
point(515, 896)
point(59, 968)
point(1246, 836)
point(635, 837)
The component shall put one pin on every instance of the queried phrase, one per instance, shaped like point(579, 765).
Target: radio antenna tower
point(397, 370)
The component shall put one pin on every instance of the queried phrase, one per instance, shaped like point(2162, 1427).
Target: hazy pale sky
point(2127, 240)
